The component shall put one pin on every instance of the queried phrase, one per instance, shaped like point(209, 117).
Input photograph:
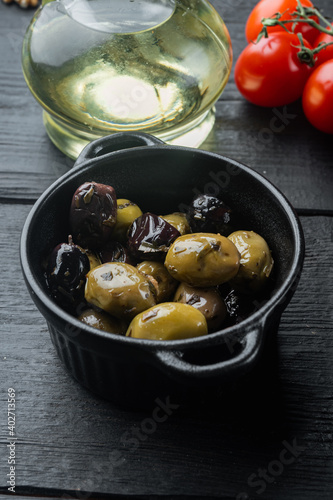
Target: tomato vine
point(301, 14)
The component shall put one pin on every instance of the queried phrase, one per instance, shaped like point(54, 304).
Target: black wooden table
point(272, 443)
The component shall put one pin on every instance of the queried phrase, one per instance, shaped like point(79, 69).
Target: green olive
point(256, 261)
point(179, 221)
point(202, 259)
point(127, 212)
point(102, 321)
point(168, 321)
point(163, 282)
point(206, 300)
point(94, 260)
point(119, 289)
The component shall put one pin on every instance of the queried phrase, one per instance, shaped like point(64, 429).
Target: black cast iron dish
point(162, 179)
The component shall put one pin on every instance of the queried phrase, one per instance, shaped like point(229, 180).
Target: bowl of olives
point(160, 270)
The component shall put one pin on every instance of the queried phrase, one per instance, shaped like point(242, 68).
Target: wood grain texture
point(298, 159)
point(70, 440)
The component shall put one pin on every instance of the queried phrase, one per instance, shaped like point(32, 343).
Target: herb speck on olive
point(107, 276)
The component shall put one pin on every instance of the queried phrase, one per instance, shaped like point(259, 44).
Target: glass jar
point(103, 66)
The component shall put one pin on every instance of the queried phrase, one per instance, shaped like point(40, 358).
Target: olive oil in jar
point(103, 66)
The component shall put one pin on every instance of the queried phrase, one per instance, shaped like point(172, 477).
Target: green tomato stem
point(300, 15)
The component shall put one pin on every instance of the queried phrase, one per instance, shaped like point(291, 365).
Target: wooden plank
point(298, 159)
point(72, 441)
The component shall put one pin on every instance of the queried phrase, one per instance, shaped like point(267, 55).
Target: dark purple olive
point(208, 214)
point(93, 214)
point(150, 237)
point(113, 251)
point(66, 273)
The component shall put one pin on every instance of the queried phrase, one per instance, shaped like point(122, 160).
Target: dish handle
point(115, 142)
point(243, 354)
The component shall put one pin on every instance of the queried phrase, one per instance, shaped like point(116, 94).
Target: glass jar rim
point(119, 16)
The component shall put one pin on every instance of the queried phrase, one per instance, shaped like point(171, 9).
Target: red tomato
point(267, 8)
point(318, 98)
point(269, 73)
point(327, 53)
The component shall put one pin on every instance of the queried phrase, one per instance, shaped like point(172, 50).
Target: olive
point(168, 321)
point(93, 214)
point(256, 261)
point(179, 221)
point(119, 289)
point(238, 306)
point(94, 259)
point(232, 303)
point(202, 259)
point(102, 321)
point(150, 237)
point(113, 251)
point(163, 282)
point(66, 273)
point(127, 212)
point(209, 214)
point(206, 300)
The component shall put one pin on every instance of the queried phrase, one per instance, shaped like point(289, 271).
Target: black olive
point(239, 307)
point(93, 214)
point(103, 321)
point(150, 237)
point(232, 303)
point(208, 214)
point(66, 273)
point(113, 251)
